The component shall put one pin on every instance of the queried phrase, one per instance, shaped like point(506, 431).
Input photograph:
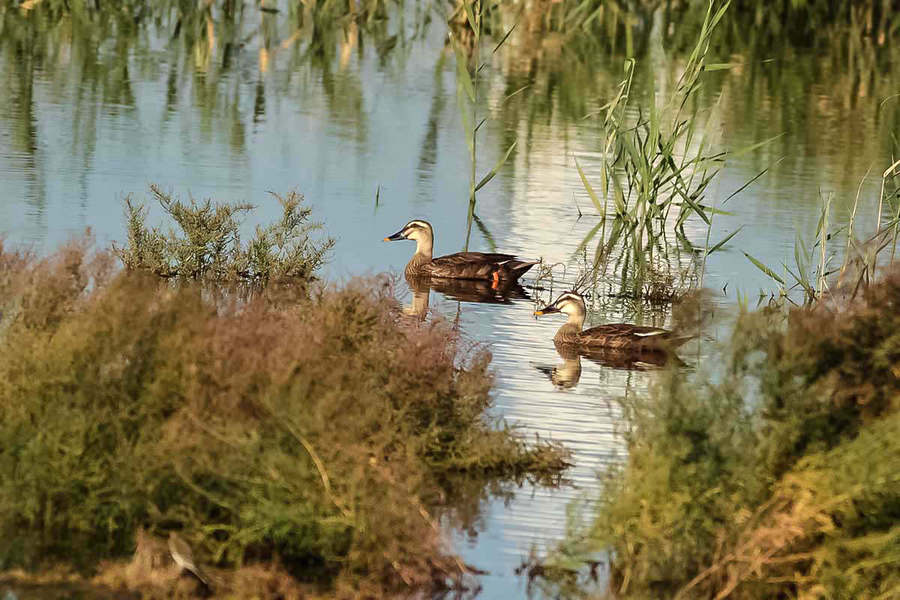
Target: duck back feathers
point(471, 265)
point(621, 336)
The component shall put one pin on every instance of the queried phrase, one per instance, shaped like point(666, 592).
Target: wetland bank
point(276, 424)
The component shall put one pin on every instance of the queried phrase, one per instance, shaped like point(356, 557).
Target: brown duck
point(462, 265)
point(620, 336)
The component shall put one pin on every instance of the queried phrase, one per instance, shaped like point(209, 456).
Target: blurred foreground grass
point(777, 477)
point(307, 429)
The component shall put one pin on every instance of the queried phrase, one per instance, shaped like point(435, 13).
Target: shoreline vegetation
point(775, 477)
point(772, 471)
point(301, 438)
point(304, 438)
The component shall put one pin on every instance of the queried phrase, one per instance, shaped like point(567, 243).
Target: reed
point(466, 30)
point(655, 170)
point(655, 173)
point(812, 267)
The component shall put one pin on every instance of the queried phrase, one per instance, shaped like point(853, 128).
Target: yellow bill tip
point(538, 313)
point(387, 239)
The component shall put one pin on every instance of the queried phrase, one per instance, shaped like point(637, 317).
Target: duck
point(617, 336)
point(462, 265)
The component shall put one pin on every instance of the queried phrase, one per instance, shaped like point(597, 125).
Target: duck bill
point(396, 237)
point(547, 310)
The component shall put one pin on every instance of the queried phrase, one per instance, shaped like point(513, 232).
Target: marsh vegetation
point(208, 245)
point(214, 373)
point(310, 430)
point(760, 480)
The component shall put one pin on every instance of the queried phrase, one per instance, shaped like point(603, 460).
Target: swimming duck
point(622, 336)
point(462, 265)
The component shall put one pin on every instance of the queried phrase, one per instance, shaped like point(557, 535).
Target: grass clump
point(777, 480)
point(655, 172)
point(311, 434)
point(208, 245)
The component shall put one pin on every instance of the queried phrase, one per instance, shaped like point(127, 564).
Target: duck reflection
point(463, 290)
point(567, 374)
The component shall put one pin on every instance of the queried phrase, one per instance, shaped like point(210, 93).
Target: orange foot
point(496, 284)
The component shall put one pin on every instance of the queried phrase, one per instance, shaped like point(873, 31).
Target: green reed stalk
point(821, 282)
point(467, 96)
point(853, 219)
point(473, 14)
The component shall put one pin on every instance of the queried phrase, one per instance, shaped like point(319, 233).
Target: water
point(86, 119)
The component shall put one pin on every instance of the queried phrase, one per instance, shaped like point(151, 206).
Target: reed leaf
point(724, 240)
point(492, 243)
point(484, 181)
point(759, 265)
point(589, 189)
point(618, 196)
point(470, 17)
point(587, 239)
point(462, 73)
point(720, 66)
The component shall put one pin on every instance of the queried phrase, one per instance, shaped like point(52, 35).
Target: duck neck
point(424, 247)
point(576, 321)
point(568, 333)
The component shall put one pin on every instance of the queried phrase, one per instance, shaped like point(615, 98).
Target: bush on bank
point(778, 479)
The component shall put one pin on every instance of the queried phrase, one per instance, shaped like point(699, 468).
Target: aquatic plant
point(655, 171)
point(813, 272)
point(774, 479)
point(311, 431)
point(209, 245)
point(654, 174)
point(466, 28)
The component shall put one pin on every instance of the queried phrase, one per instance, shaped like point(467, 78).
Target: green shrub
point(308, 433)
point(209, 244)
point(777, 480)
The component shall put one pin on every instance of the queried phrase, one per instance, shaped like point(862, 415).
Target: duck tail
point(517, 268)
point(678, 340)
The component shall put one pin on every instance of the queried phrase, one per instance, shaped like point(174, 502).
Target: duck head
point(417, 230)
point(568, 303)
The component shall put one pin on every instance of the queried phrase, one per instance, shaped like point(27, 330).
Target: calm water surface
point(86, 119)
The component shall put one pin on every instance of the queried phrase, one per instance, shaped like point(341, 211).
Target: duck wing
point(461, 258)
point(627, 329)
point(478, 265)
point(625, 335)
